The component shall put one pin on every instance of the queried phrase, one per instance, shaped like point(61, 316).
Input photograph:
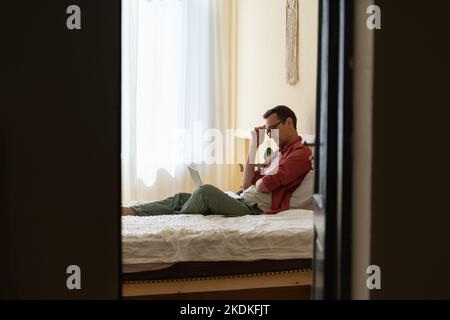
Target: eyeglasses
point(269, 129)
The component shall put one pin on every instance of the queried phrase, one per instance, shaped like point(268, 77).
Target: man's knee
point(206, 190)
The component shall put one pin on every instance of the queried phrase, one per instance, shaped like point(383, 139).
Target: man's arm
point(249, 169)
point(249, 173)
point(291, 168)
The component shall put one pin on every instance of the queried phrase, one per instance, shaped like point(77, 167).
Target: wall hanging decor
point(292, 41)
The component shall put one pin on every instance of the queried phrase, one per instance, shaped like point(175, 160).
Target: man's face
point(278, 129)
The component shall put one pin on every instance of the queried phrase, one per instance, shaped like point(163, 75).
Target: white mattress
point(167, 239)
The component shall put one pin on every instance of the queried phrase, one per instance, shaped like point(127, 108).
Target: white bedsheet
point(176, 238)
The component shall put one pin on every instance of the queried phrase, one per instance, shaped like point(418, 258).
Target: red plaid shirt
point(294, 164)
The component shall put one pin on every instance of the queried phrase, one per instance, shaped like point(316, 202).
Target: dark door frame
point(333, 154)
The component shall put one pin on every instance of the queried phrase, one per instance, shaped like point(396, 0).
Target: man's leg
point(208, 199)
point(163, 207)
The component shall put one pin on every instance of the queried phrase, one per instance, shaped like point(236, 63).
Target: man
point(266, 190)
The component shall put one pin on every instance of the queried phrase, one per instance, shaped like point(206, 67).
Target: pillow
point(302, 198)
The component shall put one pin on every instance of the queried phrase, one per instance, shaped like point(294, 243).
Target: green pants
point(206, 200)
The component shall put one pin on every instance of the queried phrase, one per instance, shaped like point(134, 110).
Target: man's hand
point(258, 135)
point(261, 187)
point(249, 171)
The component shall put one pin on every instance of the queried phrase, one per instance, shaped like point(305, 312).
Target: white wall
point(261, 81)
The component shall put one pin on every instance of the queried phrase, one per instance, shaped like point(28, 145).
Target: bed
point(196, 256)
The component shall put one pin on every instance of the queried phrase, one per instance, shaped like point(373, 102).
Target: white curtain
point(175, 71)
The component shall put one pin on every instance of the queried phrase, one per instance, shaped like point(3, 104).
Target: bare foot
point(127, 211)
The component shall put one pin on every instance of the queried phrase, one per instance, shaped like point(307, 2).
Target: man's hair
point(282, 113)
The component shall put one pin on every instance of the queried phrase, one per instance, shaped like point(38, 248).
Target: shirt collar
point(292, 145)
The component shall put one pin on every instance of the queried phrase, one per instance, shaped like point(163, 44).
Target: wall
point(261, 43)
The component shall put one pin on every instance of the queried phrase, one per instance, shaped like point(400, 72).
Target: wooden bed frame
point(227, 283)
point(280, 285)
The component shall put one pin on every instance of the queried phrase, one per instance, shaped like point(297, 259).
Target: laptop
point(198, 181)
point(195, 176)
